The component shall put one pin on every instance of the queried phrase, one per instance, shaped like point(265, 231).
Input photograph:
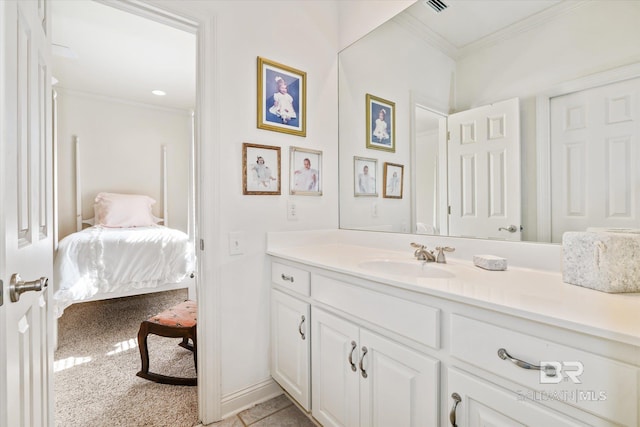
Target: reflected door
point(484, 172)
point(595, 181)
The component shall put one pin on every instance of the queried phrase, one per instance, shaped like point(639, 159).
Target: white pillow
point(123, 210)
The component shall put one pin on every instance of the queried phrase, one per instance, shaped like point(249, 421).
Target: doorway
point(114, 91)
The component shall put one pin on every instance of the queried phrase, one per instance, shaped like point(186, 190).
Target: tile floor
point(277, 412)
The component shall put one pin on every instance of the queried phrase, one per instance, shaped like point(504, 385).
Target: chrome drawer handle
point(452, 415)
point(300, 327)
point(364, 353)
point(549, 370)
point(287, 278)
point(353, 348)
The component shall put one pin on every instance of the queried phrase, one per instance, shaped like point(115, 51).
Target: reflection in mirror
point(573, 174)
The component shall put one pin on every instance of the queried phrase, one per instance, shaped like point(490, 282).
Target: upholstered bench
point(178, 321)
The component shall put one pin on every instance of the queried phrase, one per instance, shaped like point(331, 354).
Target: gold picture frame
point(393, 178)
point(282, 98)
point(381, 124)
point(258, 177)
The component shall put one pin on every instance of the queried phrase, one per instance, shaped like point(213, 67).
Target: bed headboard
point(91, 221)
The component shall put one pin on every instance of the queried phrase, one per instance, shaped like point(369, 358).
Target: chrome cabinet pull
point(452, 415)
point(549, 370)
point(353, 348)
point(17, 286)
point(300, 327)
point(287, 278)
point(364, 353)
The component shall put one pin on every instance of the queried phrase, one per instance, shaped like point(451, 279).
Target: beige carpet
point(97, 360)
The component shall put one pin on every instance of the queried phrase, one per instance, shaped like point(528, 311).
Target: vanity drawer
point(291, 278)
point(604, 387)
point(417, 322)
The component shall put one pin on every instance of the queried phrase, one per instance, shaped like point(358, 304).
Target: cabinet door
point(485, 404)
point(334, 357)
point(290, 345)
point(398, 386)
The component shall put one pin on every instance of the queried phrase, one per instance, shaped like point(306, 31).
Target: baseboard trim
point(247, 397)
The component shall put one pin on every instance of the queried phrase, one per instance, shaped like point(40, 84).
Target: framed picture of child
point(364, 177)
point(381, 124)
point(305, 178)
point(393, 177)
point(282, 98)
point(260, 169)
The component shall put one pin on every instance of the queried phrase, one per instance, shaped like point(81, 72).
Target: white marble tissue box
point(602, 260)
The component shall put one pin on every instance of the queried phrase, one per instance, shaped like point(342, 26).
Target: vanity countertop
point(534, 294)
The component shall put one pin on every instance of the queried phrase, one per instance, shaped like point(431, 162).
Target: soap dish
point(490, 262)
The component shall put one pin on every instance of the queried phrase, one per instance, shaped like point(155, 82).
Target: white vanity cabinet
point(477, 403)
point(361, 378)
point(383, 355)
point(290, 340)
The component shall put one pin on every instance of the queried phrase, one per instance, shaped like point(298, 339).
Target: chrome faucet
point(421, 253)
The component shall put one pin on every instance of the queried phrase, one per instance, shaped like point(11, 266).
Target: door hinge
point(1, 292)
point(201, 244)
point(449, 210)
point(448, 135)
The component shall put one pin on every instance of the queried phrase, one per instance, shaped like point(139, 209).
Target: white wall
point(121, 153)
point(593, 37)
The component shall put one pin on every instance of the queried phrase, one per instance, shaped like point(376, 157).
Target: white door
point(476, 403)
point(290, 348)
point(335, 374)
point(398, 386)
point(595, 179)
point(26, 216)
point(484, 172)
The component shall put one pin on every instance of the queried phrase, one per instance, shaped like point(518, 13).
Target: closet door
point(26, 257)
point(595, 181)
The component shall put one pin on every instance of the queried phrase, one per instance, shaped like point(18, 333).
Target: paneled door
point(26, 217)
point(595, 179)
point(484, 172)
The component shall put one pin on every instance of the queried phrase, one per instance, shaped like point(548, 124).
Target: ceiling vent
point(436, 5)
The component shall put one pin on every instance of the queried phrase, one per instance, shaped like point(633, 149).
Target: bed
point(125, 251)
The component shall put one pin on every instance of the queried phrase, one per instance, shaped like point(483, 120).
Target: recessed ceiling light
point(159, 92)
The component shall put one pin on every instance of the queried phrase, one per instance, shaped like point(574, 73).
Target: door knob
point(511, 229)
point(18, 286)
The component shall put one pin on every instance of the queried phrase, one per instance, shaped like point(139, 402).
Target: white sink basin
point(406, 268)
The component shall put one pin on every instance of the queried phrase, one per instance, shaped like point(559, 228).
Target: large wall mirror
point(512, 120)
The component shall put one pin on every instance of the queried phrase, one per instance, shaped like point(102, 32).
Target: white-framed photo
point(393, 176)
point(260, 169)
point(365, 172)
point(305, 177)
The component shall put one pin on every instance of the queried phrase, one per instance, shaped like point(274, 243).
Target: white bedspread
point(106, 260)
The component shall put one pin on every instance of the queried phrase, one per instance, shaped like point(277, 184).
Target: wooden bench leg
point(145, 329)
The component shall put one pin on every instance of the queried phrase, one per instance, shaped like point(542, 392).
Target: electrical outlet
point(236, 243)
point(374, 210)
point(292, 210)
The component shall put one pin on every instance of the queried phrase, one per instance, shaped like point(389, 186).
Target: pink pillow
point(123, 210)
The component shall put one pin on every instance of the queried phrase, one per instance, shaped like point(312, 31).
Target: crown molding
point(416, 27)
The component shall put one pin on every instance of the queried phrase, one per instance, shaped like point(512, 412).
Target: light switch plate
point(236, 243)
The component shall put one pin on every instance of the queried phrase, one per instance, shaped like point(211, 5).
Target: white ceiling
point(125, 56)
point(466, 21)
point(122, 55)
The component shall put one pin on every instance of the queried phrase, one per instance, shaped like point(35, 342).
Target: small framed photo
point(282, 98)
point(305, 177)
point(393, 177)
point(364, 176)
point(381, 124)
point(260, 169)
